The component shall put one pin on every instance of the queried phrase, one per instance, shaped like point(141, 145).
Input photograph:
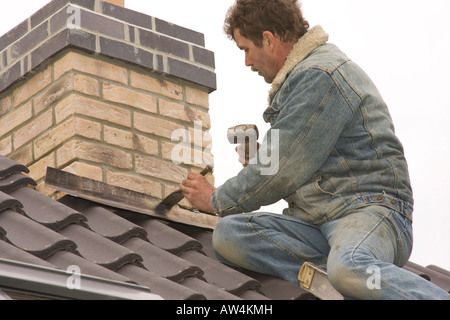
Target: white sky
point(404, 46)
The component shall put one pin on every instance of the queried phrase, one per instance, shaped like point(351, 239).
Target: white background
point(404, 46)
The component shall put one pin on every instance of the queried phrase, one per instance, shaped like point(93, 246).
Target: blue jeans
point(361, 251)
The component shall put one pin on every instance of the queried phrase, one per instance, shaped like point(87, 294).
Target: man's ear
point(269, 39)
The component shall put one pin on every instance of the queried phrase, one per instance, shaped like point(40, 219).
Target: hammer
point(247, 135)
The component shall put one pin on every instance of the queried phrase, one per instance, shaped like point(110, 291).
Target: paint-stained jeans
point(361, 251)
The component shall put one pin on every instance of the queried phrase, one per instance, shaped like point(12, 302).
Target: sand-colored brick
point(15, 118)
point(134, 182)
point(38, 169)
point(155, 126)
point(29, 88)
point(197, 97)
point(80, 105)
point(161, 169)
point(129, 140)
point(183, 112)
point(37, 126)
point(129, 97)
point(156, 85)
point(85, 170)
point(93, 152)
point(93, 66)
point(6, 146)
point(67, 84)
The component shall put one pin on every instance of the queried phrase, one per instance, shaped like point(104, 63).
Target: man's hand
point(197, 190)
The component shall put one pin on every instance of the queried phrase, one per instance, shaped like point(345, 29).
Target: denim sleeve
point(312, 114)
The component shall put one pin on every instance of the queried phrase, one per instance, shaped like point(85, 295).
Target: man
point(341, 167)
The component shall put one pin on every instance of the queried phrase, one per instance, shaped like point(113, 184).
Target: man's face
point(259, 59)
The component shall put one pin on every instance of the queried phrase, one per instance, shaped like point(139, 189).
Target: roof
point(114, 249)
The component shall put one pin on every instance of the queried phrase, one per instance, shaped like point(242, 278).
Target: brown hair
point(252, 17)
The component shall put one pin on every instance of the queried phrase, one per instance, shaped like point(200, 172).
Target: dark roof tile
point(220, 275)
point(98, 249)
point(162, 262)
point(64, 259)
point(14, 182)
point(168, 238)
point(8, 202)
point(167, 289)
point(33, 237)
point(46, 211)
point(105, 222)
point(9, 167)
point(11, 252)
point(440, 279)
point(210, 291)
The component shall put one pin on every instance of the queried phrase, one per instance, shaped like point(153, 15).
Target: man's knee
point(226, 239)
point(354, 281)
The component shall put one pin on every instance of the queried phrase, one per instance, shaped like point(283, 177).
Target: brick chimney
point(108, 93)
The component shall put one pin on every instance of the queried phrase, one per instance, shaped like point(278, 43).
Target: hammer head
point(243, 133)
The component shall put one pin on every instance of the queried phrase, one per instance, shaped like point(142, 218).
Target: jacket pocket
point(324, 186)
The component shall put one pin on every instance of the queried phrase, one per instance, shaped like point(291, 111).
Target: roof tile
point(33, 237)
point(98, 249)
point(46, 211)
point(162, 262)
point(105, 222)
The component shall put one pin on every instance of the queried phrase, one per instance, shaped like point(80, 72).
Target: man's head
point(266, 30)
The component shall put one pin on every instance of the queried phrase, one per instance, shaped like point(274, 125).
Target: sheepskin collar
point(314, 38)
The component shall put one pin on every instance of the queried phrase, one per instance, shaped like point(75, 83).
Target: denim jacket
point(335, 140)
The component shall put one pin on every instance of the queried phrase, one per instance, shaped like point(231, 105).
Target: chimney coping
point(109, 30)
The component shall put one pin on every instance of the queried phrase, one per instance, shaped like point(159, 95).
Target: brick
point(192, 73)
point(85, 170)
point(37, 126)
point(183, 112)
point(134, 182)
point(155, 126)
point(54, 138)
point(71, 82)
point(197, 97)
point(13, 35)
point(164, 44)
point(93, 152)
point(179, 32)
point(129, 140)
point(156, 85)
point(10, 75)
point(102, 24)
point(15, 118)
point(23, 155)
point(30, 40)
point(126, 52)
point(88, 129)
point(203, 56)
point(32, 86)
point(5, 105)
point(6, 146)
point(161, 169)
point(75, 104)
point(38, 169)
point(130, 16)
point(66, 38)
point(129, 97)
point(76, 61)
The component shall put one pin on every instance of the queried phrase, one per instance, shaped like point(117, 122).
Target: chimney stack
point(106, 93)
